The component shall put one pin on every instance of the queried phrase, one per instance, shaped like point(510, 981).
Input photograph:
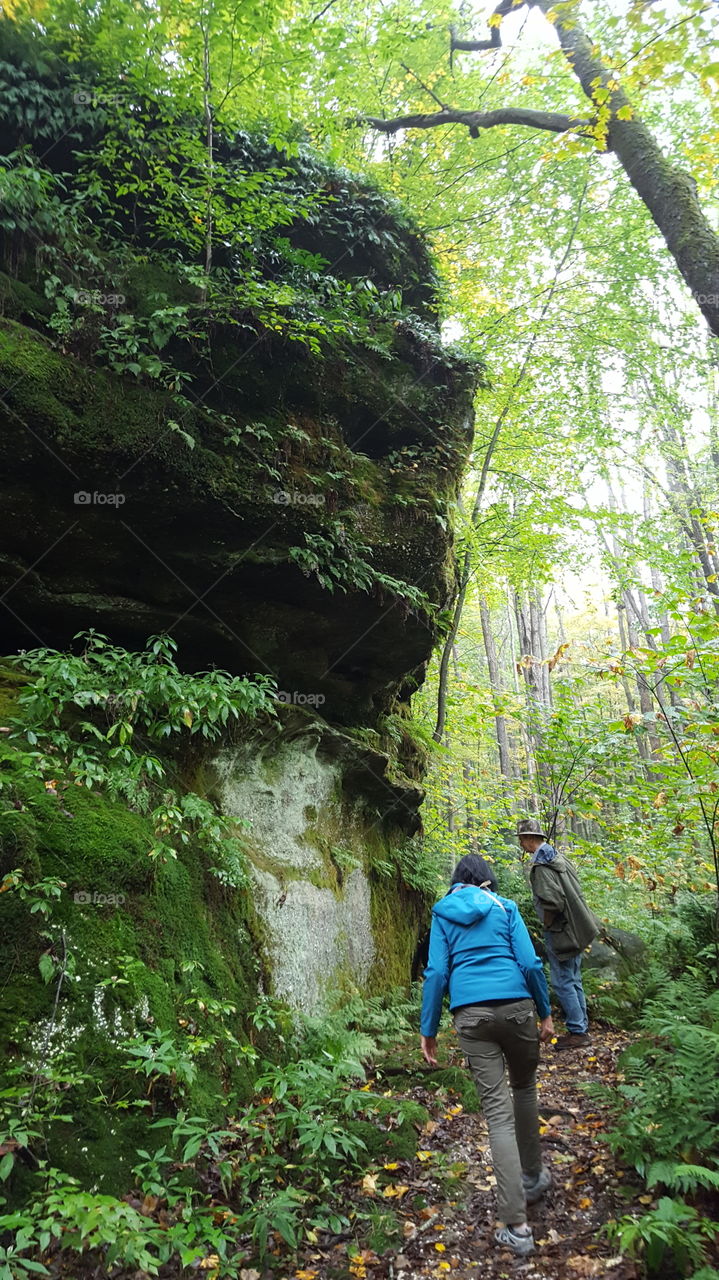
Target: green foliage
point(674, 1229)
point(100, 719)
point(341, 560)
point(278, 1162)
point(665, 1102)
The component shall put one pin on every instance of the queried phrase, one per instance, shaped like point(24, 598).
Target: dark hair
point(472, 869)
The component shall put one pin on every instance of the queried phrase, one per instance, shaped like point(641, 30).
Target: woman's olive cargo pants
point(497, 1039)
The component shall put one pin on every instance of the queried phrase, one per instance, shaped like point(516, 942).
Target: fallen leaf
point(369, 1184)
point(585, 1203)
point(583, 1266)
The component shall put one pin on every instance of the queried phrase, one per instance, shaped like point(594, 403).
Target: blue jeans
point(566, 976)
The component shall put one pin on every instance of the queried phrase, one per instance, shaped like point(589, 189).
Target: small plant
point(92, 718)
point(673, 1228)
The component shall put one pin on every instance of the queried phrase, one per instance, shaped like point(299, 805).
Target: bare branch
point(495, 38)
point(553, 121)
point(470, 46)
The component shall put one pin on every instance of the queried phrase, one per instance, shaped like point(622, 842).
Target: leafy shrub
point(666, 1106)
point(100, 718)
point(673, 1228)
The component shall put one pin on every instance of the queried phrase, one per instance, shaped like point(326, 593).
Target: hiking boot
point(534, 1188)
point(520, 1244)
point(573, 1040)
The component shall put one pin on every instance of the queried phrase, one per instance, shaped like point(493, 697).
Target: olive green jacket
point(555, 887)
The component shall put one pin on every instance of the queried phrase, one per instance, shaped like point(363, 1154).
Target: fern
point(682, 1177)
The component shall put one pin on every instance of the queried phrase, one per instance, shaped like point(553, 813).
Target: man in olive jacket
point(569, 926)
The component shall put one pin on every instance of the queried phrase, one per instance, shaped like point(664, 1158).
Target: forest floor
point(443, 1200)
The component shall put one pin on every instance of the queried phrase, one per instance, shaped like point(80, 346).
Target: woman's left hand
point(429, 1049)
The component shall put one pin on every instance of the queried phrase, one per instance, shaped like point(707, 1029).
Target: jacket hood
point(465, 905)
point(559, 862)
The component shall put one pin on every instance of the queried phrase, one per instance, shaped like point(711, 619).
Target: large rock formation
point(289, 515)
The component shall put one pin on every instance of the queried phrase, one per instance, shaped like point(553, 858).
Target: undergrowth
point(665, 1104)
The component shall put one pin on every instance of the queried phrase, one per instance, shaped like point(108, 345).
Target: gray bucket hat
point(530, 827)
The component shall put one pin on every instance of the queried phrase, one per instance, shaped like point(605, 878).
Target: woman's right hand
point(546, 1029)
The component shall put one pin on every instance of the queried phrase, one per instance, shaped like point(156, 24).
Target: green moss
point(396, 1143)
point(20, 301)
point(127, 976)
point(397, 913)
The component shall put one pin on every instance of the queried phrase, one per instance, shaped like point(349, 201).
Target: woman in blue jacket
point(481, 953)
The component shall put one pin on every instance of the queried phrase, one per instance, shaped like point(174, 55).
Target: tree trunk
point(500, 723)
point(668, 192)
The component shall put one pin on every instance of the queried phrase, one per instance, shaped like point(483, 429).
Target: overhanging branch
point(553, 121)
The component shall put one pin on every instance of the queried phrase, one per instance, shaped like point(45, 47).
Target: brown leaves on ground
point(444, 1201)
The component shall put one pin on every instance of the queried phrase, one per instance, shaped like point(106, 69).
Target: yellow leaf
point(369, 1184)
point(439, 1246)
point(444, 1266)
point(625, 113)
point(391, 1166)
point(712, 577)
point(495, 20)
point(645, 1199)
point(585, 1203)
point(424, 1155)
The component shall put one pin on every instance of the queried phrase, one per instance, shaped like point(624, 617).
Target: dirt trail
point(451, 1179)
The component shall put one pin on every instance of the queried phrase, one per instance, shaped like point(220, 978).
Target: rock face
point(334, 918)
point(110, 520)
point(288, 513)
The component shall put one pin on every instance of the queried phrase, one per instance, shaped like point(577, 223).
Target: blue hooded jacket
point(479, 949)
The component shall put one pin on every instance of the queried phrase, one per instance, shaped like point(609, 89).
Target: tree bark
point(500, 723)
point(668, 192)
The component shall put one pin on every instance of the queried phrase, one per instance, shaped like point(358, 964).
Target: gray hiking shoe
point(534, 1188)
point(521, 1245)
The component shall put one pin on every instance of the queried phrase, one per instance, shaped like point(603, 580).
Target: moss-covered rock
point(292, 515)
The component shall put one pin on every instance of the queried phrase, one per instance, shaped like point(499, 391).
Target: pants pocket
point(472, 1020)
point(521, 1019)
